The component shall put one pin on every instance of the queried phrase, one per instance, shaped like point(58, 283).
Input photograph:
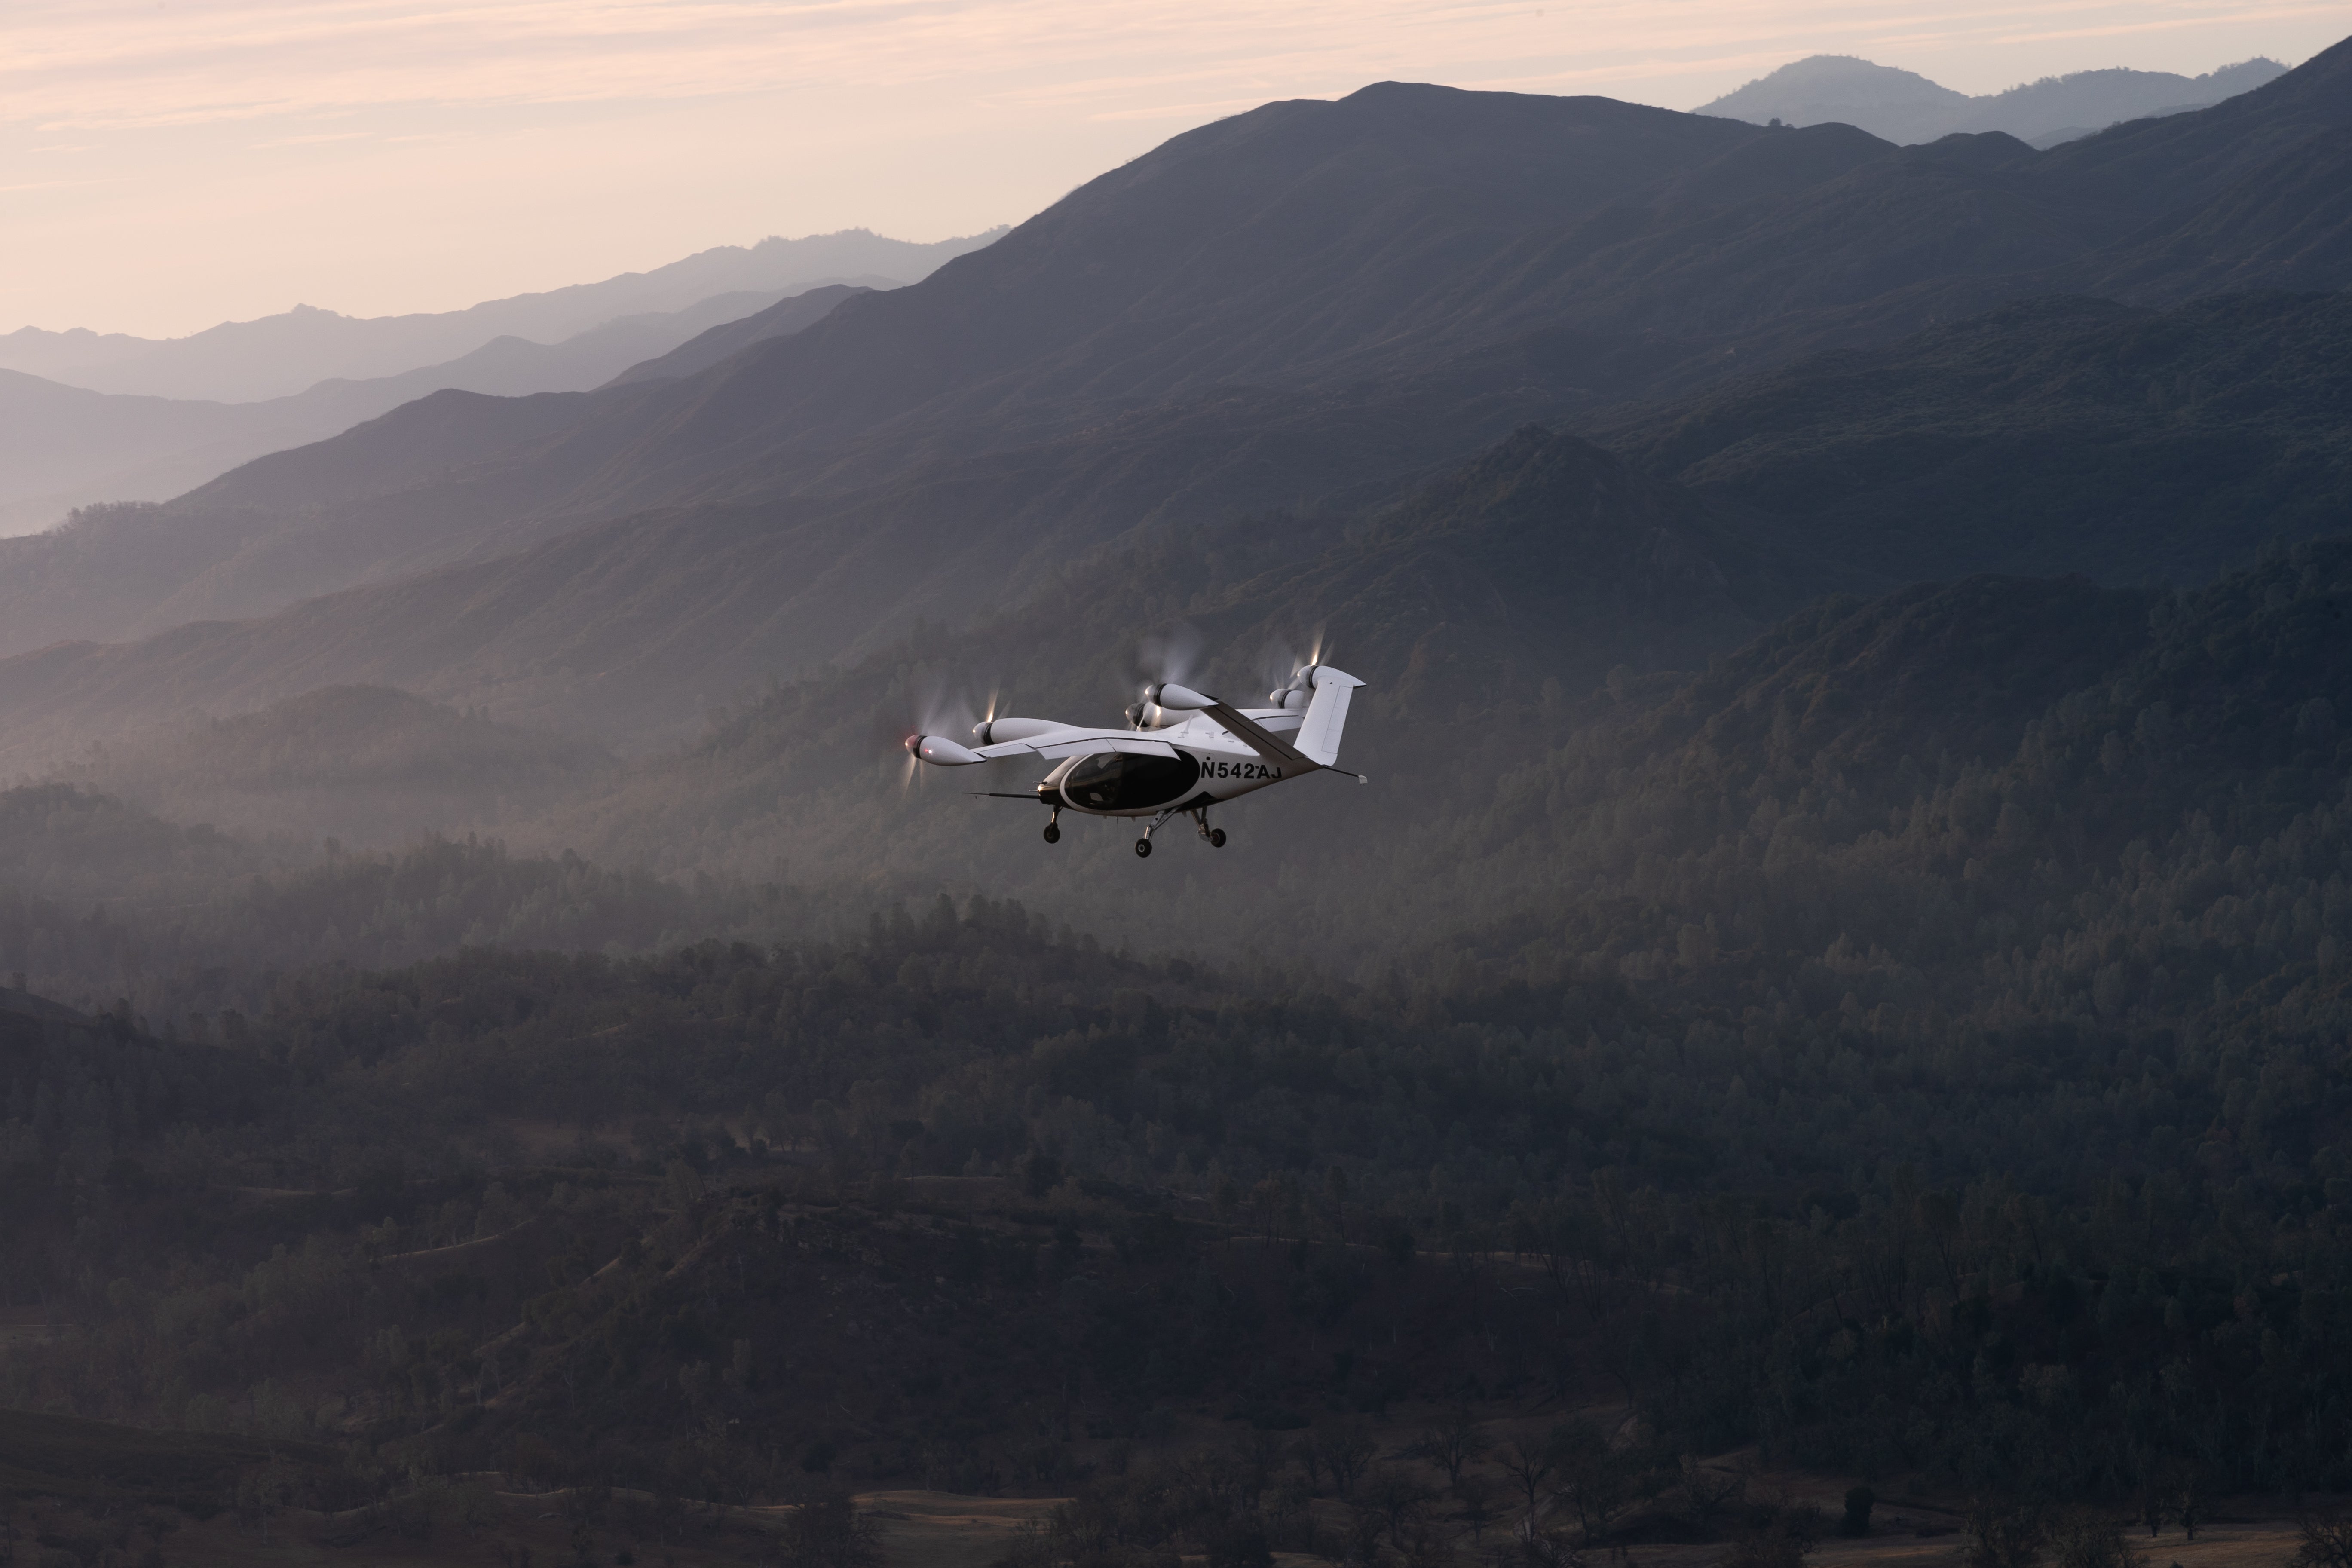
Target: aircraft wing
point(1074, 742)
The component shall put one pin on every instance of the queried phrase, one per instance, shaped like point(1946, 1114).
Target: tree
point(1348, 1451)
point(2326, 1543)
point(1783, 1539)
point(1399, 1498)
point(1530, 1463)
point(2004, 1537)
point(2094, 1544)
point(827, 1531)
point(1597, 1479)
point(1453, 1442)
point(1040, 1174)
point(1705, 1491)
point(1476, 1496)
point(1309, 1451)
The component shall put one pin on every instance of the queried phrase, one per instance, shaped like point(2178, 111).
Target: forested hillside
point(2048, 437)
point(370, 765)
point(1937, 1001)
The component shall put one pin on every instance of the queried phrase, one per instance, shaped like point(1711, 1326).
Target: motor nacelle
point(1151, 716)
point(1168, 694)
point(991, 731)
point(1295, 697)
point(939, 749)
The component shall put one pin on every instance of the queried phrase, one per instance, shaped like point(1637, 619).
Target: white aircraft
point(1181, 753)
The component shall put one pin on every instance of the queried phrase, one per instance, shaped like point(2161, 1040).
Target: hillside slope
point(2050, 436)
point(375, 767)
point(733, 336)
point(606, 629)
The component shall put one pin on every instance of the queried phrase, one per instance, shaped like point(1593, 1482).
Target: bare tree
point(1347, 1452)
point(1596, 1479)
point(1475, 1493)
point(2004, 1538)
point(2326, 1543)
point(1531, 1462)
point(827, 1531)
point(1453, 1442)
point(2094, 1544)
point(1309, 1451)
point(1398, 1496)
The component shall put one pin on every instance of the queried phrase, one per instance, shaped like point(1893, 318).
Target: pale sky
point(166, 164)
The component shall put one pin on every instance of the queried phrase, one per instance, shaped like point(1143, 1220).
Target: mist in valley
point(1822, 1035)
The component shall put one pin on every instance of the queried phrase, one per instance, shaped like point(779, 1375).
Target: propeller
point(1169, 658)
point(1289, 673)
point(939, 711)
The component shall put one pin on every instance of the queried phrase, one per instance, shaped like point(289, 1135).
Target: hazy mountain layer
point(278, 357)
point(733, 336)
point(117, 570)
point(63, 447)
point(632, 631)
point(374, 767)
point(1906, 108)
point(2050, 436)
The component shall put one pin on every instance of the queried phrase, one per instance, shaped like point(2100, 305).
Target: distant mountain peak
point(1905, 107)
point(1846, 79)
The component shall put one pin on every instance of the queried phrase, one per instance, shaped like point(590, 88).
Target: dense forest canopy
point(1941, 1001)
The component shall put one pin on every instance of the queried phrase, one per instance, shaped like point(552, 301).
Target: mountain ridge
point(1906, 108)
point(284, 354)
point(68, 446)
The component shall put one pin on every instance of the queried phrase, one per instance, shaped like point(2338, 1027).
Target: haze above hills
point(1904, 107)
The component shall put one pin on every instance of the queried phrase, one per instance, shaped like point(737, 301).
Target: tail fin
point(1326, 715)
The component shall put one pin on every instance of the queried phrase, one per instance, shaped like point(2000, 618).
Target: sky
point(166, 164)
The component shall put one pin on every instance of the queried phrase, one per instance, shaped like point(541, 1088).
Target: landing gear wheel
point(1053, 834)
point(1216, 839)
point(1143, 848)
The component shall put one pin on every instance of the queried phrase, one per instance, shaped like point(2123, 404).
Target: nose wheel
point(1143, 848)
point(1054, 828)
